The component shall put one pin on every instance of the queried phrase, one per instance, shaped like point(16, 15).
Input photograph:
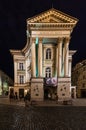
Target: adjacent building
point(43, 66)
point(79, 78)
point(5, 83)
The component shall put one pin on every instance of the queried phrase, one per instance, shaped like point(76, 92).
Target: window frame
point(21, 66)
point(48, 73)
point(21, 79)
point(48, 53)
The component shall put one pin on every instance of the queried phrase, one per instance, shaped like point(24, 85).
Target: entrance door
point(50, 93)
point(21, 93)
point(83, 93)
point(72, 92)
point(47, 93)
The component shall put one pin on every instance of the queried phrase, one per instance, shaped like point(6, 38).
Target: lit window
point(21, 66)
point(48, 72)
point(48, 53)
point(21, 79)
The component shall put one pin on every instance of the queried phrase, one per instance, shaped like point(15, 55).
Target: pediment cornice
point(17, 52)
point(52, 16)
point(54, 26)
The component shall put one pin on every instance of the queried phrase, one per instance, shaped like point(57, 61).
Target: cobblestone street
point(42, 118)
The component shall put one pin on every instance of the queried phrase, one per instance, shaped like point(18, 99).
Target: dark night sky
point(13, 15)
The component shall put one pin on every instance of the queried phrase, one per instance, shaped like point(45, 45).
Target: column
point(63, 60)
point(40, 57)
point(26, 70)
point(15, 72)
point(56, 60)
point(60, 40)
point(33, 58)
point(70, 65)
point(66, 55)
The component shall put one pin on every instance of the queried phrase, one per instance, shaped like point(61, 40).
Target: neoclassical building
point(43, 66)
point(79, 78)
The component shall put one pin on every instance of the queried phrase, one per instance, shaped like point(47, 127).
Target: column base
point(37, 89)
point(64, 88)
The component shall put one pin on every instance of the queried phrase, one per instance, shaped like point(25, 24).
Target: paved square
point(42, 118)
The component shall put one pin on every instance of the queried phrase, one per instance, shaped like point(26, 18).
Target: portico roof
point(52, 16)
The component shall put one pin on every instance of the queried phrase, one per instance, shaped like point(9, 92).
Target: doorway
point(83, 93)
point(50, 93)
point(21, 93)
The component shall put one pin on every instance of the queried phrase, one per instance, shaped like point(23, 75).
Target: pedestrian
point(20, 97)
point(27, 99)
point(16, 96)
point(11, 96)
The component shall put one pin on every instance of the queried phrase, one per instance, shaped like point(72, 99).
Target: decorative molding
point(50, 34)
point(51, 26)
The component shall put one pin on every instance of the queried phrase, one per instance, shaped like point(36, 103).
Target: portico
point(62, 51)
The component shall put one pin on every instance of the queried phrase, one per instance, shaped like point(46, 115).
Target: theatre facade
point(43, 66)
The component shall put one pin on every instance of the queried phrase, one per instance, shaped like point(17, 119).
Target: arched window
point(48, 72)
point(48, 53)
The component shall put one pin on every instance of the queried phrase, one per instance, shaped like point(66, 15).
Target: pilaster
point(15, 71)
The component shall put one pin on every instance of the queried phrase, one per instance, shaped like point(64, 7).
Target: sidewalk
point(76, 102)
point(5, 100)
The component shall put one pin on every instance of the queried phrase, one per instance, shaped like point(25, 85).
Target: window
point(83, 76)
point(21, 79)
point(48, 72)
point(83, 85)
point(48, 53)
point(21, 66)
point(84, 68)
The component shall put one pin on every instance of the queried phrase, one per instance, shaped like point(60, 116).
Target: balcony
point(21, 71)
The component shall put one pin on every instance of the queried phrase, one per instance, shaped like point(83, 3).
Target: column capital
point(60, 39)
point(33, 39)
point(70, 59)
point(40, 39)
point(67, 39)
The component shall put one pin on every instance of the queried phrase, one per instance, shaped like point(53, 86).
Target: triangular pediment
point(52, 16)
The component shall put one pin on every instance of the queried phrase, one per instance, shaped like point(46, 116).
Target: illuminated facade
point(43, 67)
point(79, 78)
